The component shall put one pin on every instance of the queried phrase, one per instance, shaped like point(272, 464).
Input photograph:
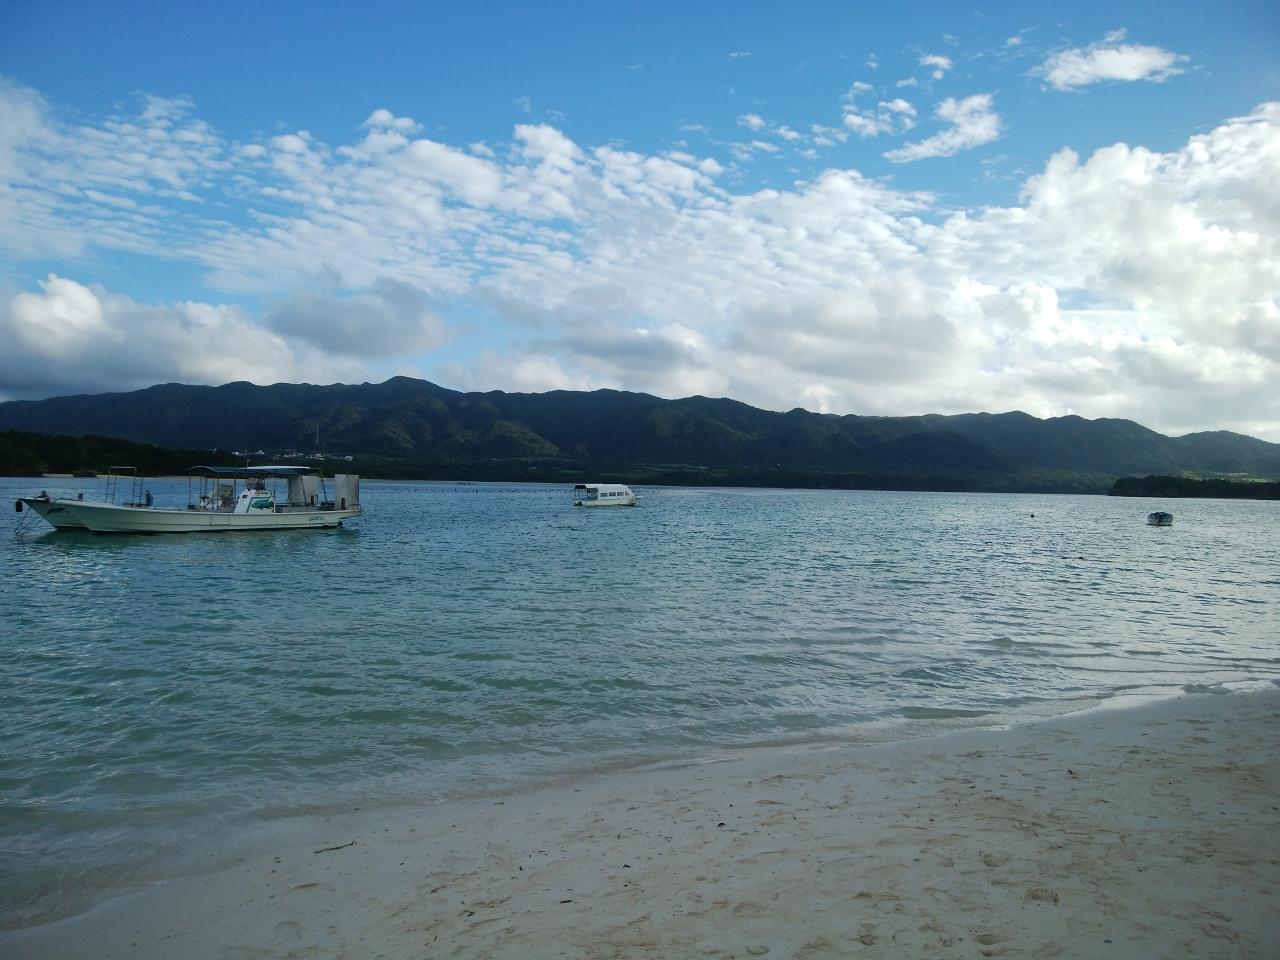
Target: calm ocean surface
point(158, 694)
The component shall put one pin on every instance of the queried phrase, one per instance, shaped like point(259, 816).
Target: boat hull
point(109, 518)
point(54, 512)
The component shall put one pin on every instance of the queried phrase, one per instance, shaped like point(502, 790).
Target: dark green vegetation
point(31, 454)
point(412, 428)
point(1188, 487)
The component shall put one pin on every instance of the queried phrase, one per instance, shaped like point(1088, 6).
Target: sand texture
point(1145, 832)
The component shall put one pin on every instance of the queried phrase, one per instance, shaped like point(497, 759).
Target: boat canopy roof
point(603, 487)
point(243, 472)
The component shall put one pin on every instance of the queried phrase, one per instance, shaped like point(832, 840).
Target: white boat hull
point(55, 512)
point(110, 518)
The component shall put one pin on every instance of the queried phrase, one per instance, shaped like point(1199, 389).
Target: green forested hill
point(416, 427)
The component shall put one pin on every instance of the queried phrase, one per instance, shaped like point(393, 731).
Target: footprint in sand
point(995, 859)
point(288, 930)
point(988, 942)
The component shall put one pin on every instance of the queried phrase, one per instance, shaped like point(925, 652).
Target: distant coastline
point(1188, 487)
point(26, 454)
point(411, 429)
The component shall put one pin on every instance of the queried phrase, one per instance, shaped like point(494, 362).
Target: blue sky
point(890, 209)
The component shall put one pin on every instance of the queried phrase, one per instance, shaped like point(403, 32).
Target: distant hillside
point(415, 427)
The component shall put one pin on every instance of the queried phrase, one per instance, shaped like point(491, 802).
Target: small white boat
point(1160, 519)
point(220, 506)
point(603, 495)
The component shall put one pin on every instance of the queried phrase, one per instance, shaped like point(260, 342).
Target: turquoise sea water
point(158, 694)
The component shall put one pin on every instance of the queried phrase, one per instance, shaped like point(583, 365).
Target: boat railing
point(130, 480)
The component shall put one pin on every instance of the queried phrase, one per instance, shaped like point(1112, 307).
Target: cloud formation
point(972, 122)
point(938, 64)
point(73, 338)
point(388, 319)
point(1109, 59)
point(1126, 283)
point(888, 116)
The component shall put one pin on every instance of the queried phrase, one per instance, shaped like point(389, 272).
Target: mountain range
point(416, 428)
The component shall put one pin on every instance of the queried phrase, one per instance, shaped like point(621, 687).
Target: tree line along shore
point(34, 455)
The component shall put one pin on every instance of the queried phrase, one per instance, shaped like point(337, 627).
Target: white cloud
point(938, 63)
point(889, 116)
point(827, 136)
point(388, 319)
point(752, 121)
point(526, 373)
point(740, 55)
point(72, 338)
point(291, 142)
point(385, 118)
point(973, 122)
point(1109, 59)
point(1125, 283)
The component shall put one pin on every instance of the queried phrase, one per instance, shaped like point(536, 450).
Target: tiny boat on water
point(220, 504)
point(603, 495)
point(1160, 519)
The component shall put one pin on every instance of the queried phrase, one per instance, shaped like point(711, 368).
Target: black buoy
point(17, 506)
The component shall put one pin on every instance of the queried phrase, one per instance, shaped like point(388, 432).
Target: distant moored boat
point(603, 495)
point(1160, 519)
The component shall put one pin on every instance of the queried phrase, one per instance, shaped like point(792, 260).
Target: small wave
point(942, 713)
point(1217, 688)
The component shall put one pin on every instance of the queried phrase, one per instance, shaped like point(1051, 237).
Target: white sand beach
point(1145, 832)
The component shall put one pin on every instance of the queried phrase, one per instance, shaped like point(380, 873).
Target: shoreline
point(1148, 830)
point(232, 834)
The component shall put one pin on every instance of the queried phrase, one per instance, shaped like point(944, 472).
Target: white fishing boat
point(123, 482)
point(227, 499)
point(1160, 519)
point(603, 495)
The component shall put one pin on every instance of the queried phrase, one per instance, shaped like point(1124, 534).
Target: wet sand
point(1152, 831)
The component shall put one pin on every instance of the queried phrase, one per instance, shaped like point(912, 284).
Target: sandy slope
point(1150, 832)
